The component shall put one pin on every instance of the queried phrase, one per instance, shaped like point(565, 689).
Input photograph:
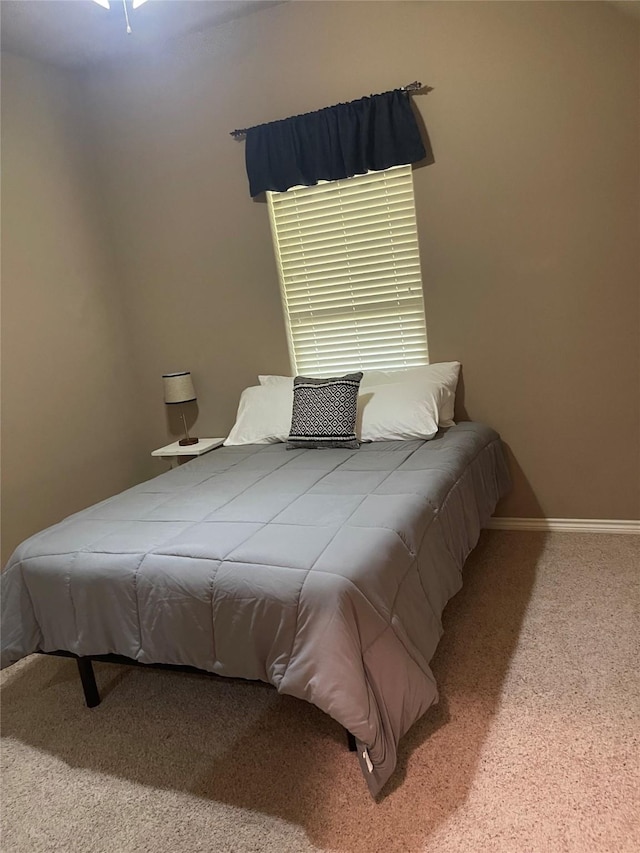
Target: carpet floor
point(533, 748)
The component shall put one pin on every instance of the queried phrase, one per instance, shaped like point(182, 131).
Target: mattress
point(322, 572)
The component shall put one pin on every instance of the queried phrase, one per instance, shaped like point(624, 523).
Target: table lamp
point(178, 389)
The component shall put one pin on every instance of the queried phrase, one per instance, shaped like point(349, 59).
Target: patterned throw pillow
point(324, 412)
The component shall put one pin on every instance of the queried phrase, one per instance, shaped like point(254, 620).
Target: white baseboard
point(566, 525)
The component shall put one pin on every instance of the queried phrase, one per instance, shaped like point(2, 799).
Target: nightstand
point(176, 450)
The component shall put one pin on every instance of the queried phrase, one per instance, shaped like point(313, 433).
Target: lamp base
point(184, 442)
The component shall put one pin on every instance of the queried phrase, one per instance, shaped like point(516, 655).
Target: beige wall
point(528, 219)
point(69, 433)
point(528, 226)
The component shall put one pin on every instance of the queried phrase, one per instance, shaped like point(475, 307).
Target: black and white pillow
point(324, 412)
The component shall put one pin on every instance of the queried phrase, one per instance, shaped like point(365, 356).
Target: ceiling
point(78, 33)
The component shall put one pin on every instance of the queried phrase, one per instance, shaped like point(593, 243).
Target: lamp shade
point(178, 387)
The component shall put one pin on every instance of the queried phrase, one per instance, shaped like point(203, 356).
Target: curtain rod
point(242, 132)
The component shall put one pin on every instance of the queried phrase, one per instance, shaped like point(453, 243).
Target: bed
point(322, 572)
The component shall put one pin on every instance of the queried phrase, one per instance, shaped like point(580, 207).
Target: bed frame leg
point(88, 678)
point(351, 742)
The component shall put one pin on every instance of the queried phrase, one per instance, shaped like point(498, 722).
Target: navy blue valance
point(369, 134)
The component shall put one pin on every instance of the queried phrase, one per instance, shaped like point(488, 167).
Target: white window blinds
point(349, 265)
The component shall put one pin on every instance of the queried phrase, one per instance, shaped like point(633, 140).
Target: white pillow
point(264, 415)
point(397, 411)
point(393, 411)
point(444, 373)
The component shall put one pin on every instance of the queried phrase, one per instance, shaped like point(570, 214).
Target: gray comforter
point(324, 573)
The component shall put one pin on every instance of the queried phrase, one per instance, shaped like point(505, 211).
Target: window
point(349, 266)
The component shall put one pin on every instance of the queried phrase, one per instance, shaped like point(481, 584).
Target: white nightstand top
point(176, 449)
